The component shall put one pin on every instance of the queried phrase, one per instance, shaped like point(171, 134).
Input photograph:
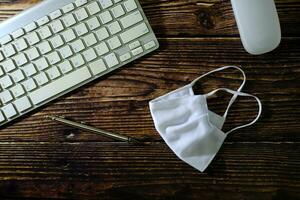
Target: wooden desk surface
point(42, 159)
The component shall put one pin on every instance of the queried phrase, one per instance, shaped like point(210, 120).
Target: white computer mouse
point(258, 25)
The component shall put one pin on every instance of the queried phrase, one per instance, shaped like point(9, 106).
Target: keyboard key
point(1, 56)
point(134, 44)
point(69, 35)
point(6, 97)
point(134, 33)
point(43, 20)
point(111, 60)
point(9, 111)
point(117, 11)
point(6, 82)
point(65, 52)
point(44, 47)
point(130, 5)
point(30, 27)
point(29, 85)
point(114, 42)
point(77, 61)
point(106, 3)
point(131, 19)
point(9, 50)
point(17, 91)
point(65, 67)
point(114, 28)
point(56, 14)
point(44, 32)
point(20, 44)
point(93, 23)
point(81, 14)
point(32, 53)
point(137, 51)
point(93, 8)
point(60, 85)
point(32, 38)
point(89, 55)
point(22, 104)
point(125, 57)
point(53, 58)
point(98, 67)
point(41, 64)
point(17, 76)
point(77, 46)
point(105, 17)
point(102, 34)
point(41, 79)
point(20, 59)
point(101, 49)
point(2, 118)
point(81, 29)
point(53, 73)
point(29, 70)
point(68, 8)
point(69, 20)
point(80, 2)
point(18, 33)
point(56, 26)
point(149, 45)
point(56, 41)
point(90, 40)
point(6, 39)
point(8, 65)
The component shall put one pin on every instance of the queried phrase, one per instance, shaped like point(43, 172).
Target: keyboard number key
point(81, 14)
point(56, 14)
point(93, 8)
point(67, 8)
point(43, 20)
point(69, 20)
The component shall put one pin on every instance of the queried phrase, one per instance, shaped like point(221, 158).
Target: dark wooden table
point(42, 159)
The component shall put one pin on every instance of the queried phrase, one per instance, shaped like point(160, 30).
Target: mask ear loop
point(237, 93)
point(232, 100)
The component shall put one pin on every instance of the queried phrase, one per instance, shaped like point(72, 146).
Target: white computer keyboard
point(61, 45)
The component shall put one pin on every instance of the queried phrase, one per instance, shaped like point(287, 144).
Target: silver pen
point(94, 130)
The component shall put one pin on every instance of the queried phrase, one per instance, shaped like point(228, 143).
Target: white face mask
point(188, 127)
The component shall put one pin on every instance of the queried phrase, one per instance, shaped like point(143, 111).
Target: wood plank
point(189, 18)
point(99, 170)
point(119, 102)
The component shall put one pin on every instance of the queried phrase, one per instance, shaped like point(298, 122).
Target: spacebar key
point(60, 85)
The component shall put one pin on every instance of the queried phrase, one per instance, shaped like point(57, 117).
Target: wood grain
point(190, 18)
point(119, 102)
point(40, 159)
point(117, 171)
